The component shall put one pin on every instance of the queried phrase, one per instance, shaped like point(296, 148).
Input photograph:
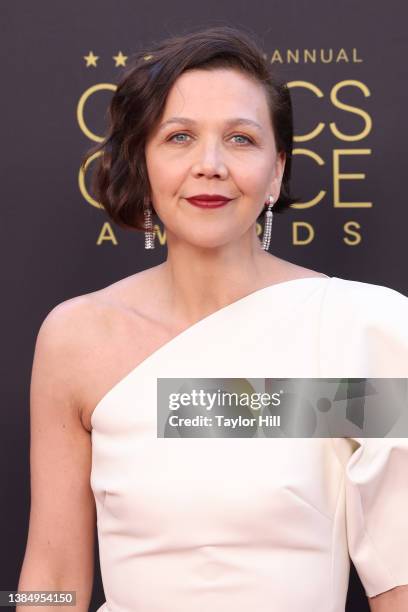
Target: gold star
point(120, 59)
point(91, 59)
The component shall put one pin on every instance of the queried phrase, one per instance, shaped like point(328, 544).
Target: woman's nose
point(210, 160)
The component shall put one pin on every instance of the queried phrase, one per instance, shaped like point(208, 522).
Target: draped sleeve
point(365, 334)
point(376, 494)
point(363, 331)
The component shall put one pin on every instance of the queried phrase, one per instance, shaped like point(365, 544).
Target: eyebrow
point(228, 123)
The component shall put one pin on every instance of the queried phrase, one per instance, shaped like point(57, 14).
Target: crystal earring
point(149, 232)
point(268, 224)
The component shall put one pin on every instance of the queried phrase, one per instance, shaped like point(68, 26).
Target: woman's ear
point(279, 168)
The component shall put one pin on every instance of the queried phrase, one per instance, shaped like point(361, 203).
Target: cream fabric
point(240, 524)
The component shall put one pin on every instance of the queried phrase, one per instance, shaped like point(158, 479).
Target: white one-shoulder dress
point(250, 524)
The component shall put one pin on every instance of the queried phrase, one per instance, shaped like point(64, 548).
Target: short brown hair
point(120, 180)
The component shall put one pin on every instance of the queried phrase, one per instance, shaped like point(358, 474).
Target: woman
point(201, 136)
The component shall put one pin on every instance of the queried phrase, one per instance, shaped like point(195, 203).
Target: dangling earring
point(149, 232)
point(268, 224)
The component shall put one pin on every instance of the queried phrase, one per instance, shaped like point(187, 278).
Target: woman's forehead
point(226, 93)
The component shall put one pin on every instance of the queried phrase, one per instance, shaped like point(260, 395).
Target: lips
point(206, 200)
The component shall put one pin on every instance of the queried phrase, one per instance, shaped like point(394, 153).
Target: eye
point(242, 136)
point(177, 141)
point(171, 138)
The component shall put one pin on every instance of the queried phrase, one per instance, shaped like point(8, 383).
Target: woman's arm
point(60, 546)
point(394, 600)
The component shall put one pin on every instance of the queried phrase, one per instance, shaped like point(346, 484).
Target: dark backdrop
point(57, 244)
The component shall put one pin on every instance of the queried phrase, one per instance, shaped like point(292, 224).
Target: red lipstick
point(206, 200)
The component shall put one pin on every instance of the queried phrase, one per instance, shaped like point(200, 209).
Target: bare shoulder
point(67, 335)
point(69, 326)
point(67, 320)
point(95, 339)
point(77, 323)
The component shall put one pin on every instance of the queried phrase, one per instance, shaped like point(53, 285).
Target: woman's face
point(206, 150)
